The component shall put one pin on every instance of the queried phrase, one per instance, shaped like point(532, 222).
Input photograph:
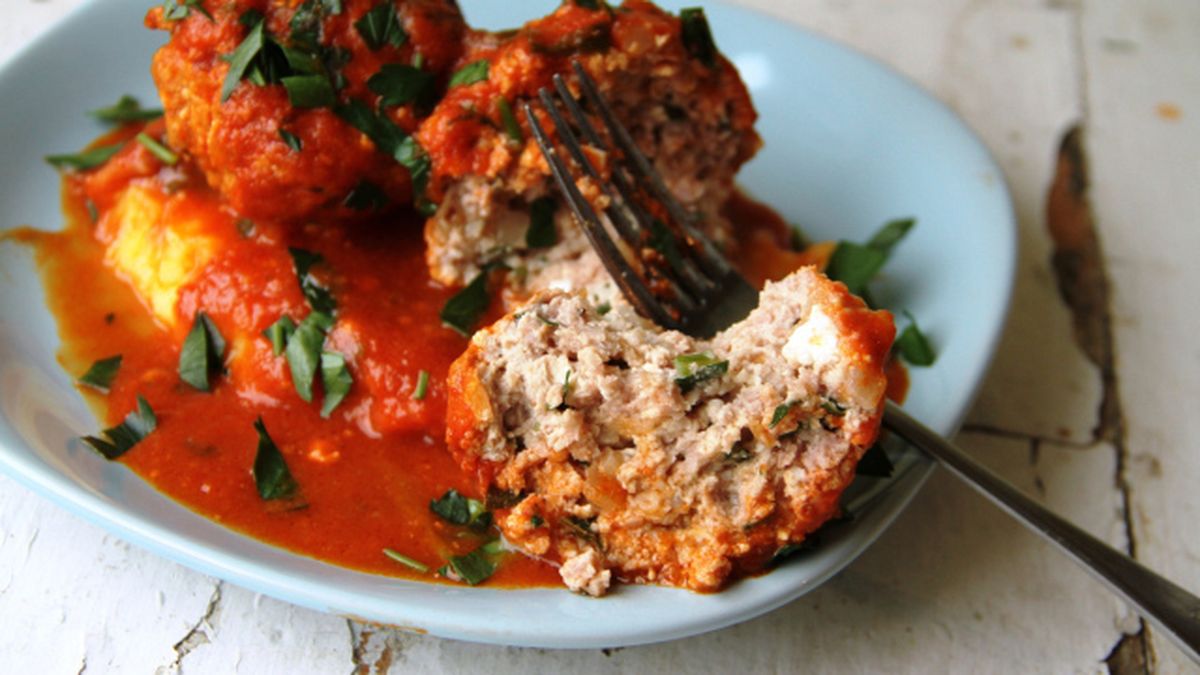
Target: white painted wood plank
point(1143, 84)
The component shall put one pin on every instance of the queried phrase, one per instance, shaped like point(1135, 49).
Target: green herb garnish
point(857, 264)
point(604, 308)
point(502, 499)
point(162, 152)
point(692, 369)
point(336, 380)
point(583, 529)
point(392, 140)
point(541, 232)
point(463, 309)
point(473, 568)
point(319, 297)
point(309, 91)
point(508, 121)
point(292, 140)
point(475, 71)
point(177, 10)
point(118, 440)
point(126, 109)
point(88, 159)
point(457, 509)
point(303, 352)
point(102, 373)
point(697, 36)
point(366, 196)
point(380, 27)
point(588, 4)
point(271, 474)
point(398, 84)
point(781, 411)
point(244, 54)
point(913, 346)
point(833, 407)
point(422, 386)
point(279, 333)
point(405, 560)
point(537, 521)
point(202, 352)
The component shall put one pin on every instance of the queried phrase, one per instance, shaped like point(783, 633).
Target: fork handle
point(1171, 608)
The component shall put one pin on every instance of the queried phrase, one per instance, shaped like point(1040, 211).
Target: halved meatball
point(272, 158)
point(683, 102)
point(653, 457)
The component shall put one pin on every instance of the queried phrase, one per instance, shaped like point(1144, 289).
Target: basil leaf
point(508, 121)
point(457, 509)
point(102, 373)
point(303, 352)
point(309, 91)
point(292, 140)
point(476, 71)
point(126, 109)
point(380, 27)
point(174, 10)
point(891, 233)
point(697, 37)
point(398, 84)
point(202, 352)
point(913, 345)
point(88, 159)
point(692, 369)
point(541, 232)
point(473, 568)
point(857, 264)
point(502, 499)
point(875, 462)
point(366, 196)
point(336, 380)
point(162, 152)
point(319, 297)
point(118, 440)
point(405, 560)
point(462, 311)
point(781, 411)
point(243, 55)
point(279, 333)
point(271, 474)
point(384, 133)
point(413, 157)
point(422, 386)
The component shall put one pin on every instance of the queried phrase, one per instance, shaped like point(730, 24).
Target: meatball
point(319, 148)
point(630, 452)
point(683, 102)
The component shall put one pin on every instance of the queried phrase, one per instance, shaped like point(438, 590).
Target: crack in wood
point(196, 635)
point(1128, 655)
point(1079, 270)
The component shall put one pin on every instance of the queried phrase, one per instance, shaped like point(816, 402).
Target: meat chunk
point(271, 159)
point(688, 111)
point(654, 457)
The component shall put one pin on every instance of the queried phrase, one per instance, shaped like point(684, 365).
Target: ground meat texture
point(694, 120)
point(240, 143)
point(623, 471)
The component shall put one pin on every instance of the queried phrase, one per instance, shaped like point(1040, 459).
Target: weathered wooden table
point(1092, 108)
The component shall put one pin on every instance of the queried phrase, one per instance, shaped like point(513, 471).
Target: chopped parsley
point(380, 27)
point(336, 380)
point(583, 529)
point(245, 53)
point(82, 161)
point(833, 407)
point(541, 232)
point(473, 568)
point(697, 36)
point(406, 561)
point(162, 152)
point(177, 10)
point(309, 91)
point(202, 353)
point(462, 311)
point(292, 140)
point(118, 440)
point(693, 369)
point(913, 346)
point(604, 308)
point(567, 386)
point(502, 499)
point(781, 412)
point(271, 474)
point(456, 509)
point(422, 386)
point(398, 84)
point(102, 373)
point(508, 121)
point(475, 71)
point(126, 109)
point(392, 140)
point(303, 352)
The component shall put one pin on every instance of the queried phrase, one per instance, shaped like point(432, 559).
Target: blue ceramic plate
point(849, 145)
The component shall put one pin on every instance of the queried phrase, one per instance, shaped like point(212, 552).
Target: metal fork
point(678, 278)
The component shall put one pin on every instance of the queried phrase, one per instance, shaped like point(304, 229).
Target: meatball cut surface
point(628, 452)
point(327, 92)
point(683, 102)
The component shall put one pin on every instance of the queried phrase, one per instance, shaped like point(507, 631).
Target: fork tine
point(626, 277)
point(684, 297)
point(691, 277)
point(716, 264)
